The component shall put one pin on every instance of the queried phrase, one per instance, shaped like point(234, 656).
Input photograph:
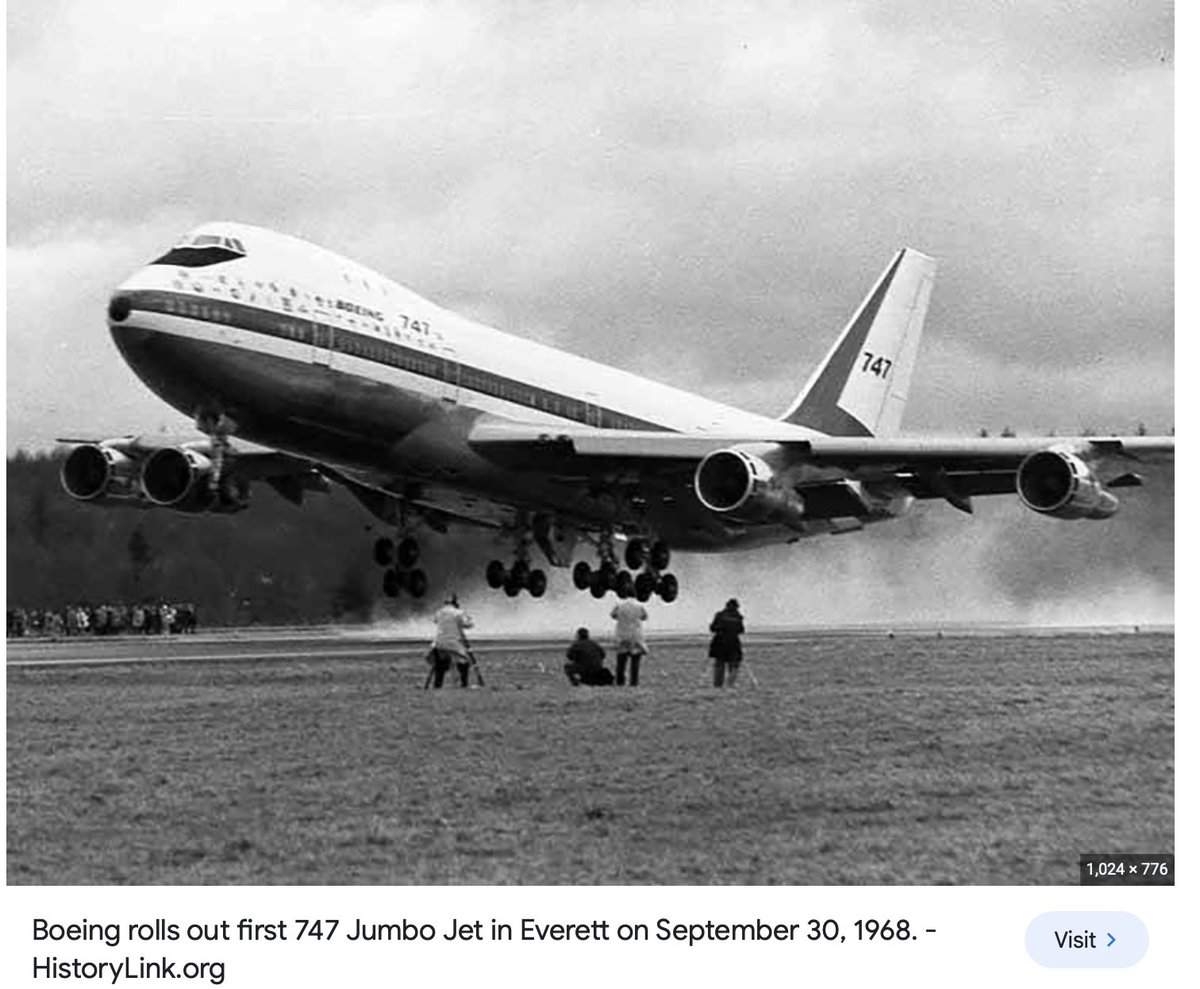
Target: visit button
point(1086, 939)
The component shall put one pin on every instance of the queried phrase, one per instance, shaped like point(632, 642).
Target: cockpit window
point(201, 250)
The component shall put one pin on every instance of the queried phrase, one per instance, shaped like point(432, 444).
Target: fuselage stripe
point(302, 329)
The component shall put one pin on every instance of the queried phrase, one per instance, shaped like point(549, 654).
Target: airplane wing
point(144, 471)
point(816, 467)
point(258, 461)
point(535, 444)
point(105, 471)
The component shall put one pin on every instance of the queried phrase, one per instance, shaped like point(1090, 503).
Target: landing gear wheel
point(643, 586)
point(418, 584)
point(511, 587)
point(635, 554)
point(391, 583)
point(495, 575)
point(668, 588)
point(599, 586)
point(660, 556)
point(537, 583)
point(625, 587)
point(384, 550)
point(407, 552)
point(519, 574)
point(582, 575)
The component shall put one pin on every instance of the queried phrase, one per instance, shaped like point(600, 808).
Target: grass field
point(855, 759)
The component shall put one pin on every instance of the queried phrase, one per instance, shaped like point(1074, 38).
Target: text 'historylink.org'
point(77, 950)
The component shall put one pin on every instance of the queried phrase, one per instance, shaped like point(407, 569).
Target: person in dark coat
point(585, 662)
point(725, 650)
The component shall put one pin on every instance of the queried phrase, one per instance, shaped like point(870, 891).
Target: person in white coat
point(450, 642)
point(631, 639)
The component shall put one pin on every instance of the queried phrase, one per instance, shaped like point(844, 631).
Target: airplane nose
point(119, 308)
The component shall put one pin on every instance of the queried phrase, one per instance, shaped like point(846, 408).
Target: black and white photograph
point(591, 444)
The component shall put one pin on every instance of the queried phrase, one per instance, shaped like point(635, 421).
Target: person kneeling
point(585, 662)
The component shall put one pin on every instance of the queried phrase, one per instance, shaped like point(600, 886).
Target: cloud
point(63, 375)
point(701, 197)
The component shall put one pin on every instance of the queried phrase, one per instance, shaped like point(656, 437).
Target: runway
point(219, 647)
point(335, 644)
point(261, 646)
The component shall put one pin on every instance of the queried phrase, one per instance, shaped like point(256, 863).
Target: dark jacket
point(586, 654)
point(726, 626)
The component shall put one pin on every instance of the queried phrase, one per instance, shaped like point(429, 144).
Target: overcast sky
point(701, 197)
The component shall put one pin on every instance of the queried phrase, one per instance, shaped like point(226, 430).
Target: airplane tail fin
point(861, 386)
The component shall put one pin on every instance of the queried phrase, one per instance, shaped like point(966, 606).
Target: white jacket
point(629, 615)
point(451, 624)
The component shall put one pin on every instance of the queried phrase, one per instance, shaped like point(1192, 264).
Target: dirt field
point(854, 759)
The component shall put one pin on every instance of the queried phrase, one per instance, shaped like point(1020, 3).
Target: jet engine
point(99, 473)
point(743, 486)
point(1060, 484)
point(179, 478)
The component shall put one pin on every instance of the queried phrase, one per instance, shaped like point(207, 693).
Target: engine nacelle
point(1062, 485)
point(744, 487)
point(99, 473)
point(174, 477)
point(179, 478)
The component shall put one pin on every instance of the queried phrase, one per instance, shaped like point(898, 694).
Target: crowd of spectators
point(103, 619)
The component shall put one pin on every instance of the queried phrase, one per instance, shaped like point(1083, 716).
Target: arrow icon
point(1111, 940)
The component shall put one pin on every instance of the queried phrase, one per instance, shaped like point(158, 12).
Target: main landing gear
point(652, 560)
point(520, 578)
point(400, 558)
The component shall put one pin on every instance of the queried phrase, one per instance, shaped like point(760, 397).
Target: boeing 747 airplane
point(302, 368)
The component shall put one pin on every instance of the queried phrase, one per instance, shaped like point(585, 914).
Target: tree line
point(271, 564)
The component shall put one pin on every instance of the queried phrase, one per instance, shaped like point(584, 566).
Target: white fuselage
point(300, 281)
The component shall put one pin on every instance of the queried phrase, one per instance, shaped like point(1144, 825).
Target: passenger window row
point(384, 352)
